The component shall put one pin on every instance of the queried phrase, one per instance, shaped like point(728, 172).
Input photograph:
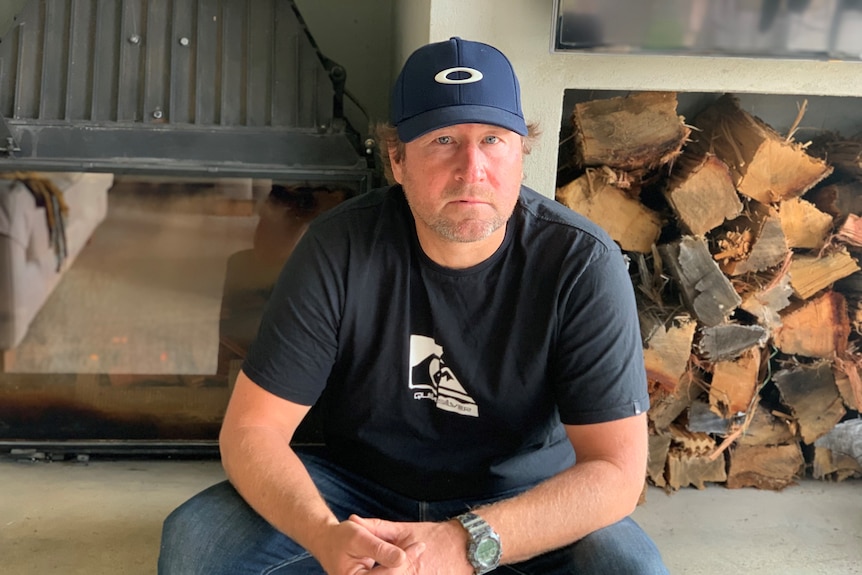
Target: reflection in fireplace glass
point(129, 316)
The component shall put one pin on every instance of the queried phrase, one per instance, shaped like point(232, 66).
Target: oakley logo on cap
point(443, 76)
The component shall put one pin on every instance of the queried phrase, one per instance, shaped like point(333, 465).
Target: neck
point(458, 255)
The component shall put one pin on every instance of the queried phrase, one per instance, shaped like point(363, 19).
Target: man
point(474, 354)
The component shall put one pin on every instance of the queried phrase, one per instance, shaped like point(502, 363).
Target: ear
point(397, 168)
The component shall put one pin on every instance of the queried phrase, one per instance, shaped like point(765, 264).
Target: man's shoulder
point(548, 215)
point(366, 203)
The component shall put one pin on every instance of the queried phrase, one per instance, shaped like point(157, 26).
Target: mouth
point(469, 201)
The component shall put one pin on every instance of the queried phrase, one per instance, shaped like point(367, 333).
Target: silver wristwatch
point(484, 551)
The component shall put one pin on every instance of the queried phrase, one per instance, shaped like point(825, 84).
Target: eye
point(444, 140)
point(491, 139)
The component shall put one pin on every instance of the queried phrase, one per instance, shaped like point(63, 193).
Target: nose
point(471, 163)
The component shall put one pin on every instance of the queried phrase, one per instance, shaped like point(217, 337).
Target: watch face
point(488, 552)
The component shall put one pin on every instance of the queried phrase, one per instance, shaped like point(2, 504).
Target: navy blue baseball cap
point(456, 82)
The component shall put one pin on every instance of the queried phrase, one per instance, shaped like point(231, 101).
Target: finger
point(378, 549)
point(387, 530)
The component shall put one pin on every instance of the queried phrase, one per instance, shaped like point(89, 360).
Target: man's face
point(462, 181)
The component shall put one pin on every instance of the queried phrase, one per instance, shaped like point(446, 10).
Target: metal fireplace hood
point(212, 88)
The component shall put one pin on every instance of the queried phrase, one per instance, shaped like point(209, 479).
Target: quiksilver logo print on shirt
point(431, 378)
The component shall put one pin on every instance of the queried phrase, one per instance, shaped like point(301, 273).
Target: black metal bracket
point(8, 145)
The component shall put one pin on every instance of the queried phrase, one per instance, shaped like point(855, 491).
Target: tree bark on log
point(764, 467)
point(707, 292)
point(838, 199)
point(728, 341)
point(811, 395)
point(850, 231)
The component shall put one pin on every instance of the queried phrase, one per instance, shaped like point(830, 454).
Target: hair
point(387, 138)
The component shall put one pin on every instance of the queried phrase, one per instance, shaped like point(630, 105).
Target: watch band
point(484, 551)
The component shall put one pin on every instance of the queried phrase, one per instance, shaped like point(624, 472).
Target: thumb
point(379, 548)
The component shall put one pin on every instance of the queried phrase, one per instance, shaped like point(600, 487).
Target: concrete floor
point(105, 517)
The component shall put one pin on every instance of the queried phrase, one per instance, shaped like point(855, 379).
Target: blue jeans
point(216, 532)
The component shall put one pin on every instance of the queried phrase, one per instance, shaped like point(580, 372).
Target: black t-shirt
point(442, 383)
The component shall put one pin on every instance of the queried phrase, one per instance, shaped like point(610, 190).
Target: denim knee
point(216, 532)
point(622, 548)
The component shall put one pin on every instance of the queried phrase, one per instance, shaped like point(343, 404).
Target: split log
point(639, 131)
point(701, 193)
point(810, 393)
point(851, 288)
point(688, 461)
point(804, 226)
point(701, 419)
point(817, 328)
point(850, 231)
point(734, 384)
point(844, 439)
point(752, 243)
point(727, 341)
point(838, 454)
point(766, 429)
point(838, 199)
point(691, 441)
point(666, 407)
point(631, 224)
point(843, 154)
point(810, 273)
point(684, 469)
point(764, 467)
point(658, 449)
point(849, 381)
point(764, 165)
point(706, 291)
point(667, 352)
point(765, 302)
point(834, 466)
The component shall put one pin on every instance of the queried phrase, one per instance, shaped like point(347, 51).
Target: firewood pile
point(743, 248)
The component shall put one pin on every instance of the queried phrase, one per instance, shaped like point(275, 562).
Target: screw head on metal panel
point(184, 41)
point(135, 39)
point(157, 113)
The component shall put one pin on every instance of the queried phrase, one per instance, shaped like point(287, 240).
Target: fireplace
point(201, 138)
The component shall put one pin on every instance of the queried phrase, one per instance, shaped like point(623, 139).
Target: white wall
point(413, 25)
point(522, 30)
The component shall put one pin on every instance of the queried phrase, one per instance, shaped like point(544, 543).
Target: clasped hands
point(361, 546)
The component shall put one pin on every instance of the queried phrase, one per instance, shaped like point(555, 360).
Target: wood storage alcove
point(739, 215)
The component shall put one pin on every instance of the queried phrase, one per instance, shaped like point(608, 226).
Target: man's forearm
point(265, 470)
point(600, 489)
point(562, 510)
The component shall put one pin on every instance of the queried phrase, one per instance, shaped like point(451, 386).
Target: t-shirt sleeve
point(296, 344)
point(598, 369)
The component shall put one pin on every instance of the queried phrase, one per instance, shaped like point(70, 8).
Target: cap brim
point(412, 128)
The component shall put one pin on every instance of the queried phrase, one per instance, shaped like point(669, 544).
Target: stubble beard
point(468, 229)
